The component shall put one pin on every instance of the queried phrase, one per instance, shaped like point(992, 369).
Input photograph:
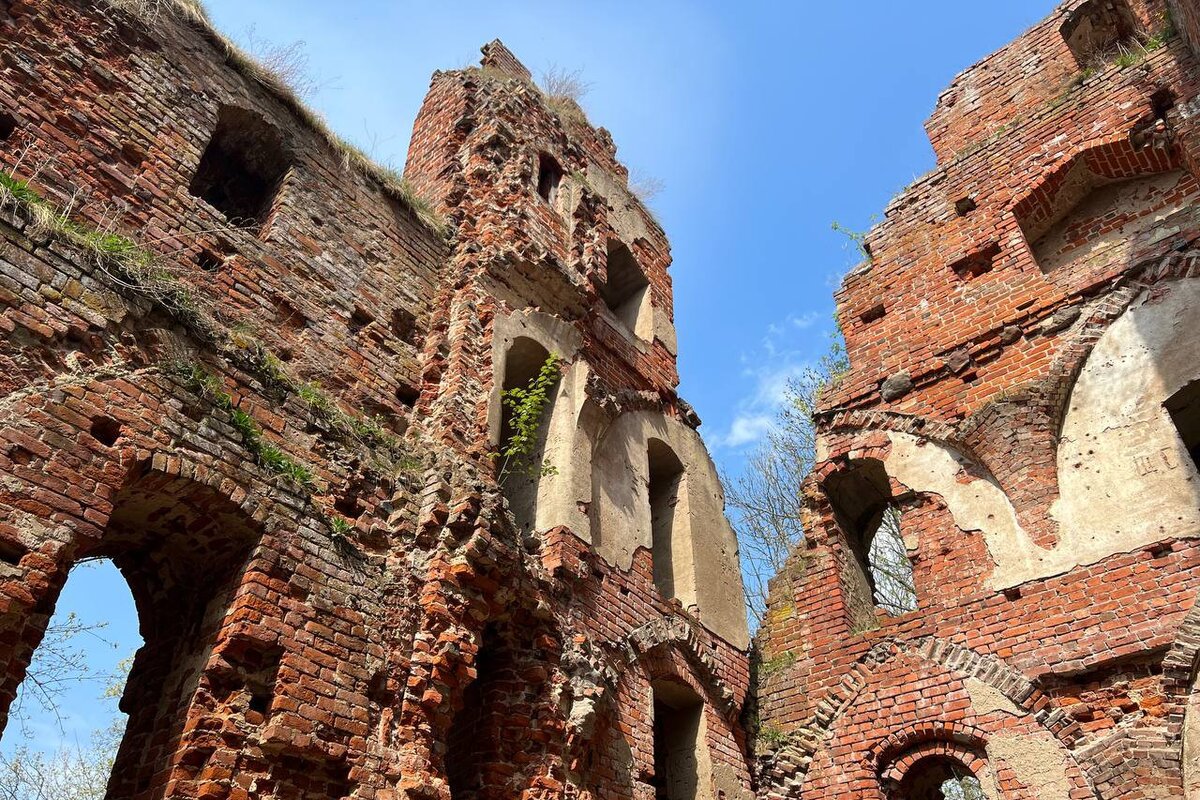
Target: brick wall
point(991, 339)
point(281, 429)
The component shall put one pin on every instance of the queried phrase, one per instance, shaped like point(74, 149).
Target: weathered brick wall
point(1187, 18)
point(283, 433)
point(1013, 339)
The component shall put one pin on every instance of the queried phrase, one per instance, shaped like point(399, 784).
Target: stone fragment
point(896, 386)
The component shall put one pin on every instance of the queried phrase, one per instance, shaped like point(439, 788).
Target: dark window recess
point(8, 125)
point(877, 311)
point(1098, 29)
point(347, 506)
point(666, 476)
point(975, 264)
point(11, 552)
point(404, 325)
point(407, 395)
point(626, 284)
point(550, 177)
point(1161, 102)
point(677, 740)
point(360, 319)
point(964, 206)
point(106, 430)
point(210, 261)
point(242, 167)
point(1184, 408)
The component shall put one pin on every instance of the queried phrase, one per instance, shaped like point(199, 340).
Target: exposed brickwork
point(1001, 291)
point(384, 629)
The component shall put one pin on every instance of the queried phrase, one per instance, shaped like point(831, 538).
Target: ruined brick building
point(1024, 395)
point(265, 378)
point(257, 373)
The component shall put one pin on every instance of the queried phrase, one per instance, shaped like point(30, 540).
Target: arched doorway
point(182, 548)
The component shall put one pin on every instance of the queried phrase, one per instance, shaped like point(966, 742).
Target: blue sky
point(766, 122)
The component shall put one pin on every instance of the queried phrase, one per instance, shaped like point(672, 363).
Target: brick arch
point(902, 751)
point(186, 593)
point(1039, 407)
point(900, 745)
point(1181, 672)
point(1082, 338)
point(110, 468)
point(788, 766)
point(1080, 171)
point(646, 645)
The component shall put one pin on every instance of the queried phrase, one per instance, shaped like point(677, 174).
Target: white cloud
point(767, 372)
point(747, 429)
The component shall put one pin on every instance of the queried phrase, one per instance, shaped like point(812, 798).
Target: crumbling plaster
point(1126, 480)
point(1038, 760)
point(622, 516)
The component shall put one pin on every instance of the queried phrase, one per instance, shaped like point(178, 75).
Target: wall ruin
point(1023, 350)
point(264, 376)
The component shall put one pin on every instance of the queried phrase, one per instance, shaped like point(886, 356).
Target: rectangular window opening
point(550, 177)
point(677, 739)
point(1184, 408)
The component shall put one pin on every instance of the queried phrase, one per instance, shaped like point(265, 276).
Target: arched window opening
point(181, 549)
point(468, 745)
point(1099, 29)
point(64, 726)
point(1184, 408)
point(626, 291)
point(678, 713)
point(880, 572)
point(520, 474)
point(550, 177)
point(940, 778)
point(668, 522)
point(242, 167)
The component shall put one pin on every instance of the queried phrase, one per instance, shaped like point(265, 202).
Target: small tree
point(74, 771)
point(766, 500)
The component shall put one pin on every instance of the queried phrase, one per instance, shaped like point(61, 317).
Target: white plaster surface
point(600, 485)
point(621, 522)
point(1125, 477)
point(1038, 759)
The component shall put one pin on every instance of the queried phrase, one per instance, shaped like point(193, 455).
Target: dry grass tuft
point(564, 89)
point(287, 64)
point(645, 187)
point(560, 83)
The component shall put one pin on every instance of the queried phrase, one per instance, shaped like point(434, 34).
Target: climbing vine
point(527, 406)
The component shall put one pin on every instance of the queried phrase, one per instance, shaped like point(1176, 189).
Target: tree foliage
point(766, 499)
point(73, 770)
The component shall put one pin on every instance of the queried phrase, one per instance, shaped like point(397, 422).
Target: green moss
point(776, 664)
